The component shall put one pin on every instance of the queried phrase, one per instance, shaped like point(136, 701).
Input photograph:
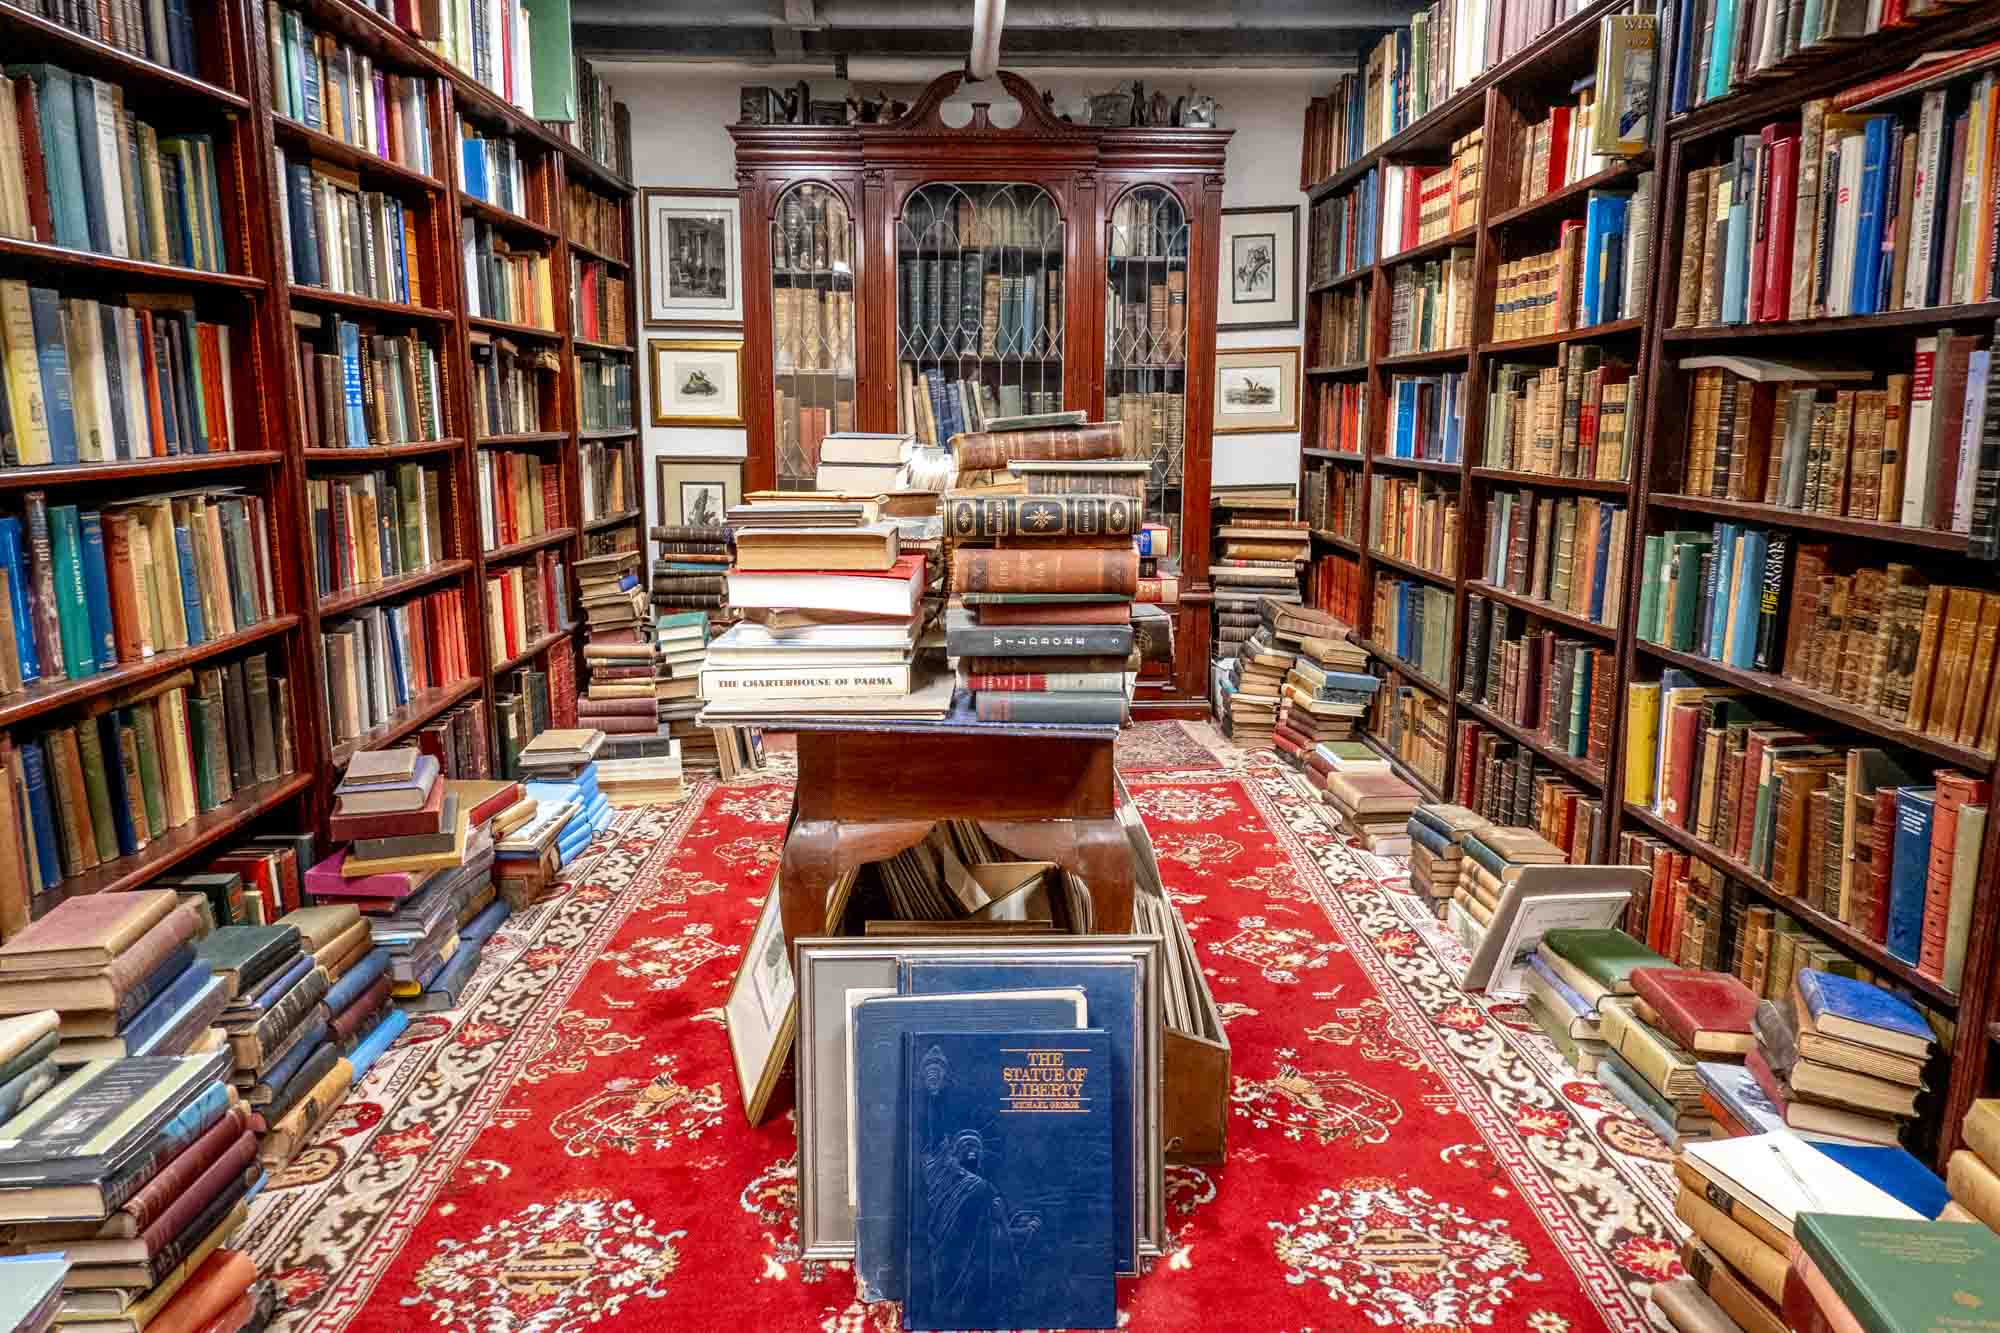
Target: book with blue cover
point(1909, 868)
point(370, 1047)
point(1856, 1011)
point(1010, 1180)
point(877, 1145)
point(1113, 990)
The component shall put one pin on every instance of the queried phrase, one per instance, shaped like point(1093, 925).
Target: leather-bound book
point(220, 1281)
point(107, 989)
point(1954, 790)
point(244, 955)
point(1038, 570)
point(320, 926)
point(1707, 1012)
point(360, 1015)
point(85, 933)
point(1690, 1309)
point(986, 450)
point(291, 1130)
point(979, 517)
point(146, 1207)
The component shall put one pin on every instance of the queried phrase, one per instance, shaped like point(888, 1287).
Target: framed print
point(698, 492)
point(1260, 269)
point(693, 254)
point(1538, 900)
point(762, 1009)
point(829, 969)
point(697, 381)
point(1256, 389)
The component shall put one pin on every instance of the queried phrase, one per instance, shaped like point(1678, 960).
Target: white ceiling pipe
point(987, 16)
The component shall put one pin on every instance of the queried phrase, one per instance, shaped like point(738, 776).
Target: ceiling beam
point(1193, 48)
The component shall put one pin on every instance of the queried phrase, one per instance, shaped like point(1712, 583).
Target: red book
point(28, 118)
point(1877, 924)
point(1776, 296)
point(1558, 149)
point(1684, 727)
point(1954, 790)
point(218, 1284)
point(1707, 1012)
point(399, 824)
point(1657, 917)
point(1731, 1127)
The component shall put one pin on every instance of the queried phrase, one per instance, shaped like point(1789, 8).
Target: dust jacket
point(1010, 1180)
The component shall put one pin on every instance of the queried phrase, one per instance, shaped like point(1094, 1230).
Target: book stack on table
point(123, 972)
point(1772, 1219)
point(139, 1172)
point(1374, 808)
point(1840, 1057)
point(1437, 848)
point(623, 691)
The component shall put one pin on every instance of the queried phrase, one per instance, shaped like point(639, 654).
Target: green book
point(198, 725)
point(1687, 590)
point(1898, 1276)
point(151, 781)
point(90, 751)
point(1649, 589)
point(1606, 956)
point(72, 611)
point(410, 495)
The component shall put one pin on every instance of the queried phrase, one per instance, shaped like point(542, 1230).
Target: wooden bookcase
point(882, 184)
point(234, 100)
point(1657, 431)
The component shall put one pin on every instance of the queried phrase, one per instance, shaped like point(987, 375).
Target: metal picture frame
point(1258, 281)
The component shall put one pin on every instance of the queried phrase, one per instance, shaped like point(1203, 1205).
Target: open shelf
point(504, 220)
point(1778, 516)
point(423, 708)
point(367, 594)
point(369, 305)
point(531, 652)
point(1559, 200)
point(1412, 569)
point(1535, 742)
point(1549, 482)
point(1980, 312)
point(376, 454)
point(1588, 333)
point(1414, 464)
point(1543, 610)
point(48, 696)
point(133, 469)
point(618, 519)
point(1405, 670)
point(80, 266)
point(528, 546)
point(370, 166)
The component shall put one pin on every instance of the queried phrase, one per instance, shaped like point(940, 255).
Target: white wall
point(680, 137)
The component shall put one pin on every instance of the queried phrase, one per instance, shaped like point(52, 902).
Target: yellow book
point(1655, 1057)
point(355, 868)
point(1642, 738)
point(25, 406)
point(1759, 1264)
point(1974, 1185)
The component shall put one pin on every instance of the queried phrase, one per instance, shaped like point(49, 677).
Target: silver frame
point(875, 961)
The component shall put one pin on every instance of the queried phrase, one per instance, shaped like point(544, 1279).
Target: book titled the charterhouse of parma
point(1010, 1203)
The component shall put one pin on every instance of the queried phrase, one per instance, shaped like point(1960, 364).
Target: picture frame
point(761, 1013)
point(1258, 277)
point(696, 381)
point(697, 491)
point(1256, 390)
point(828, 968)
point(692, 250)
point(1541, 899)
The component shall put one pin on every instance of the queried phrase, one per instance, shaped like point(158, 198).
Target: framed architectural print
point(694, 258)
point(696, 381)
point(1256, 390)
point(1259, 269)
point(697, 492)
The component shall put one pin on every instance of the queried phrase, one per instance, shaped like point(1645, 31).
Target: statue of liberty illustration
point(976, 1243)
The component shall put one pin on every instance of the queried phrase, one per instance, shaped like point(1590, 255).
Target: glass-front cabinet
point(979, 306)
point(812, 326)
point(1146, 344)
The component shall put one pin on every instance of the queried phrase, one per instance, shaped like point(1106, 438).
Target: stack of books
point(1651, 1063)
point(1841, 1057)
point(1375, 809)
point(1331, 757)
point(138, 1172)
point(623, 693)
point(1326, 693)
point(680, 649)
point(34, 1293)
point(27, 1058)
point(560, 771)
point(643, 779)
point(860, 462)
point(1437, 848)
point(341, 943)
point(1495, 856)
point(525, 835)
point(1583, 979)
point(1252, 691)
point(1972, 1174)
point(122, 971)
point(1261, 546)
point(688, 574)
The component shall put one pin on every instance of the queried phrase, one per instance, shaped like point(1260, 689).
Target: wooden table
point(867, 791)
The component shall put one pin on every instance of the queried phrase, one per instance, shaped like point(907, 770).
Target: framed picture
point(1260, 269)
point(1538, 900)
point(697, 381)
point(762, 1009)
point(698, 492)
point(693, 254)
point(1256, 389)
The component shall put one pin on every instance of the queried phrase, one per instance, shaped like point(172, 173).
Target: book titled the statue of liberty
point(1010, 1205)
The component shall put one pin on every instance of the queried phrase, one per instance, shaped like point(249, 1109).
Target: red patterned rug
point(568, 1149)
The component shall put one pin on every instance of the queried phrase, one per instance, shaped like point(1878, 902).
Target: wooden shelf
point(369, 305)
point(589, 252)
point(1334, 539)
point(367, 594)
point(524, 437)
point(1588, 333)
point(77, 266)
point(176, 845)
point(1779, 517)
point(423, 708)
point(1558, 200)
point(1401, 769)
point(1835, 711)
point(372, 33)
point(1535, 742)
point(1543, 480)
point(48, 696)
point(1543, 610)
point(1414, 464)
point(607, 433)
point(1979, 313)
point(1342, 280)
point(1404, 669)
point(587, 345)
point(514, 550)
point(1335, 455)
point(376, 454)
point(133, 469)
point(369, 165)
point(614, 520)
point(1425, 249)
point(1336, 372)
point(1827, 928)
point(531, 652)
point(499, 217)
point(31, 36)
point(1450, 356)
point(505, 329)
point(1411, 568)
point(601, 176)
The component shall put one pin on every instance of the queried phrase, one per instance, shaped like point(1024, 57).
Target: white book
point(1978, 369)
point(89, 390)
point(1768, 1174)
point(110, 166)
point(1847, 221)
point(1930, 140)
point(805, 682)
point(1917, 442)
point(134, 362)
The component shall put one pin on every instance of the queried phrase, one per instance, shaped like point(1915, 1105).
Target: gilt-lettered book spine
point(1042, 516)
point(1031, 570)
point(984, 450)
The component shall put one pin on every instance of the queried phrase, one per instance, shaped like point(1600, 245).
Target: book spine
point(1078, 707)
point(172, 1139)
point(1017, 570)
point(968, 517)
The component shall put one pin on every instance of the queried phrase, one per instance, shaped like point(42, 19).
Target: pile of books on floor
point(1438, 831)
point(1840, 1056)
point(138, 1172)
point(636, 779)
point(1803, 1234)
point(340, 940)
point(1261, 546)
point(622, 694)
point(688, 574)
point(1374, 808)
point(1327, 689)
point(1573, 977)
point(559, 771)
point(1495, 857)
point(831, 612)
point(679, 651)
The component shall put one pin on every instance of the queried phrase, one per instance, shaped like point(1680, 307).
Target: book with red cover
point(211, 1289)
point(157, 1196)
point(1783, 141)
point(1707, 1012)
point(1876, 922)
point(393, 824)
point(1954, 791)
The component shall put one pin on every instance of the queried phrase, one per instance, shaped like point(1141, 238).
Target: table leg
point(819, 851)
point(1097, 850)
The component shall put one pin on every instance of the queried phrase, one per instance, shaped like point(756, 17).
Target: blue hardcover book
point(1607, 518)
point(481, 927)
point(1746, 577)
point(139, 1032)
point(14, 561)
point(97, 588)
point(1844, 1002)
point(357, 980)
point(83, 106)
point(370, 1047)
point(350, 383)
point(1892, 1170)
point(1570, 995)
point(189, 1021)
point(305, 225)
point(1908, 870)
point(1113, 990)
point(51, 353)
point(1593, 237)
point(110, 741)
point(31, 1288)
point(1736, 1088)
point(72, 611)
point(41, 812)
point(114, 366)
point(1736, 262)
point(156, 981)
point(1720, 49)
point(878, 1149)
point(173, 198)
point(197, 630)
point(1623, 1083)
point(1438, 844)
point(55, 113)
point(1011, 1170)
point(451, 978)
point(311, 1038)
point(274, 988)
point(1718, 603)
point(1862, 279)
